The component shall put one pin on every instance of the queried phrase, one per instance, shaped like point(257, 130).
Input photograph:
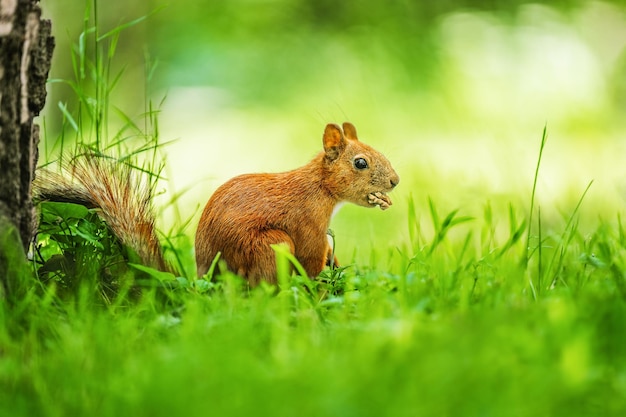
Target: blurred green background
point(455, 93)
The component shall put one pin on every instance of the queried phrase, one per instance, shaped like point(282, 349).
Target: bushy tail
point(118, 190)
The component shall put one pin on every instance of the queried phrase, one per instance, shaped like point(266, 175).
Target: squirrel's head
point(356, 172)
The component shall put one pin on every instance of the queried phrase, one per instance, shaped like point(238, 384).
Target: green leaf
point(154, 273)
point(87, 231)
point(53, 210)
point(202, 285)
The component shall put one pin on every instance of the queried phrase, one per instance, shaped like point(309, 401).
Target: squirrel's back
point(248, 213)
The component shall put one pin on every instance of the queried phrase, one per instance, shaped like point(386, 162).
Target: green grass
point(466, 322)
point(510, 310)
point(445, 338)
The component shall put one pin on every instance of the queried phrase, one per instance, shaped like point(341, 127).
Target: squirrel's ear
point(350, 131)
point(334, 142)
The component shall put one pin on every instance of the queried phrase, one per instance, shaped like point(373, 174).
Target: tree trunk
point(25, 51)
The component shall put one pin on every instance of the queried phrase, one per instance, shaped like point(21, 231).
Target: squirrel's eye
point(360, 163)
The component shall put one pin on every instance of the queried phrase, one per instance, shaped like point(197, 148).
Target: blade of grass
point(544, 137)
point(566, 237)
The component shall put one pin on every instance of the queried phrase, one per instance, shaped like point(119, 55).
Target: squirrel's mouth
point(380, 199)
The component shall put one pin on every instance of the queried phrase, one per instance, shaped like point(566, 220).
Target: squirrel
point(250, 212)
point(245, 215)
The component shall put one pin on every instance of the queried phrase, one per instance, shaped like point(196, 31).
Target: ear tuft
point(350, 131)
point(334, 142)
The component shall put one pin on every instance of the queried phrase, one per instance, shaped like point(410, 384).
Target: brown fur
point(249, 213)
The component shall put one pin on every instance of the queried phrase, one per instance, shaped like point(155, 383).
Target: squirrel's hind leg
point(262, 265)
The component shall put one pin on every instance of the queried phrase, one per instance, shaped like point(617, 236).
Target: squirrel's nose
point(394, 180)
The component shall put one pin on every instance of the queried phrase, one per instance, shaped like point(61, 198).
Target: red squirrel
point(247, 214)
point(250, 212)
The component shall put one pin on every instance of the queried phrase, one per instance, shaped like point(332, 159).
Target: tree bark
point(26, 47)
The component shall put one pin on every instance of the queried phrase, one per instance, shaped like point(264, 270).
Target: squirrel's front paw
point(379, 199)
